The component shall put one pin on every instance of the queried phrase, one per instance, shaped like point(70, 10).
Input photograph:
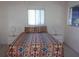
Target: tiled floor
point(3, 50)
point(67, 51)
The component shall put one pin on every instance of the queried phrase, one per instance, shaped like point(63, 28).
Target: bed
point(35, 42)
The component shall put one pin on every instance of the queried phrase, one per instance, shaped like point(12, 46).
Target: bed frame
point(39, 29)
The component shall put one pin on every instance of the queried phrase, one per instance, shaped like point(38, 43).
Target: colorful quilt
point(35, 45)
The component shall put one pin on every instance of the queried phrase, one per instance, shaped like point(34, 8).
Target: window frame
point(36, 9)
point(70, 17)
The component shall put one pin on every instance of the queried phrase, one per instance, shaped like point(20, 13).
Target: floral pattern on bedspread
point(36, 45)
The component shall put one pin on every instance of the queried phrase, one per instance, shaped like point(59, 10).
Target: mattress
point(35, 45)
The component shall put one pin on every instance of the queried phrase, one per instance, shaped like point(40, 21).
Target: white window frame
point(36, 9)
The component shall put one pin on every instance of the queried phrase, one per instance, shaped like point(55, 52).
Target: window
point(36, 17)
point(74, 16)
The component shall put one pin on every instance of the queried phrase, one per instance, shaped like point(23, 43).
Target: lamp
point(13, 31)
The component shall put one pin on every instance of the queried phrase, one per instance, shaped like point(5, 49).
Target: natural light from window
point(36, 17)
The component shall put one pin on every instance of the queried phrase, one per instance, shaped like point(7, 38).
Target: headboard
point(38, 29)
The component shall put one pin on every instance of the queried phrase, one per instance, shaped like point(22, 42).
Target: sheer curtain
point(36, 17)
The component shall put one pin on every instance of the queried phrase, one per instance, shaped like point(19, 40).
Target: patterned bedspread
point(35, 45)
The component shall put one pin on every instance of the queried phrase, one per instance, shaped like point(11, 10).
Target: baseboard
point(71, 48)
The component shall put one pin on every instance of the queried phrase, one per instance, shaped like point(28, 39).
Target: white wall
point(3, 24)
point(72, 33)
point(16, 12)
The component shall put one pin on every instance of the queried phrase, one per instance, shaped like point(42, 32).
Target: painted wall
point(72, 33)
point(16, 13)
point(3, 24)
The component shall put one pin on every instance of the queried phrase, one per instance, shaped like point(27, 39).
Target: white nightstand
point(11, 38)
point(59, 37)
